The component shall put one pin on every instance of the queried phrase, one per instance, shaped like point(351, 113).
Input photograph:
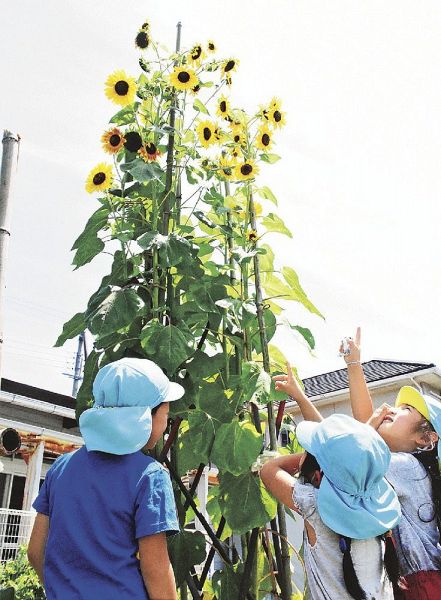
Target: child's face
point(159, 424)
point(400, 430)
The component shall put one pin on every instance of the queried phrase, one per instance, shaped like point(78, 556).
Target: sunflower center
point(114, 140)
point(277, 116)
point(99, 178)
point(207, 133)
point(196, 53)
point(230, 65)
point(151, 148)
point(133, 141)
point(121, 87)
point(265, 139)
point(223, 106)
point(196, 89)
point(236, 138)
point(211, 46)
point(184, 77)
point(246, 169)
point(142, 40)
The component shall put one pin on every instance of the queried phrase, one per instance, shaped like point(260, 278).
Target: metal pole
point(78, 364)
point(9, 158)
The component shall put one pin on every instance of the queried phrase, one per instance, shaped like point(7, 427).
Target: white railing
point(15, 531)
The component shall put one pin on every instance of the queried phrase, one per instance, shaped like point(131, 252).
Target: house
point(36, 426)
point(330, 394)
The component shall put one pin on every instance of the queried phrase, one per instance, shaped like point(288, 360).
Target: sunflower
point(183, 78)
point(196, 89)
point(224, 108)
point(113, 140)
point(264, 139)
point(145, 26)
point(120, 88)
point(142, 39)
point(257, 211)
point(133, 141)
point(196, 54)
point(235, 152)
point(207, 133)
point(226, 168)
point(237, 134)
point(99, 179)
point(276, 117)
point(211, 46)
point(252, 236)
point(229, 65)
point(246, 170)
point(149, 152)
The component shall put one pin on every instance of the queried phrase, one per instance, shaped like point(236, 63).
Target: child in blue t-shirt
point(103, 503)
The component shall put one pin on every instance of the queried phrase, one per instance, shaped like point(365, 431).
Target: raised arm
point(277, 477)
point(361, 401)
point(289, 384)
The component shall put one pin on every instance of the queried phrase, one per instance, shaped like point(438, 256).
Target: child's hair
point(353, 586)
point(429, 460)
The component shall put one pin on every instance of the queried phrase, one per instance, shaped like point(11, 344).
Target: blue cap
point(354, 498)
point(125, 391)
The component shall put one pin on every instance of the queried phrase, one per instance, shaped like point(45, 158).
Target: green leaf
point(292, 279)
point(200, 107)
point(186, 549)
point(126, 115)
point(236, 446)
point(186, 457)
point(202, 428)
point(144, 172)
point(90, 247)
point(270, 158)
point(173, 249)
point(226, 583)
point(7, 593)
point(256, 383)
point(96, 222)
point(244, 501)
point(274, 223)
point(215, 513)
point(265, 192)
point(275, 288)
point(266, 259)
point(214, 401)
point(173, 347)
point(71, 329)
point(306, 334)
point(202, 365)
point(148, 335)
point(117, 311)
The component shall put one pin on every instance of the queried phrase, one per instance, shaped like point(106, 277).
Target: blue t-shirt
point(98, 506)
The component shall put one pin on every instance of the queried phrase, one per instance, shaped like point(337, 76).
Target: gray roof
point(374, 370)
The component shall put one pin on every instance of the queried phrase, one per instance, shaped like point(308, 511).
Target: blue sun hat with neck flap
point(354, 499)
point(125, 392)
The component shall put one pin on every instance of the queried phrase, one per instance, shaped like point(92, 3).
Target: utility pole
point(77, 377)
point(9, 159)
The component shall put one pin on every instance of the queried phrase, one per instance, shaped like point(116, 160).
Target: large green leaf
point(115, 312)
point(200, 107)
point(236, 446)
point(173, 347)
point(202, 365)
point(306, 334)
point(292, 279)
point(186, 549)
point(256, 383)
point(215, 513)
point(270, 158)
point(226, 583)
point(144, 172)
point(84, 396)
point(213, 400)
point(96, 222)
point(126, 116)
point(71, 329)
point(265, 192)
point(266, 259)
point(186, 457)
point(173, 249)
point(244, 501)
point(203, 430)
point(89, 248)
point(274, 223)
point(148, 335)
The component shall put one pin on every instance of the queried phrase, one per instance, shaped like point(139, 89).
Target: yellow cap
point(412, 397)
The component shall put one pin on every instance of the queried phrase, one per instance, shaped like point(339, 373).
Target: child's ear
point(317, 478)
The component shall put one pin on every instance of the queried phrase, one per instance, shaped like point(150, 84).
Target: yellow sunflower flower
point(183, 78)
point(196, 54)
point(235, 152)
point(264, 139)
point(252, 236)
point(196, 90)
point(237, 134)
point(275, 103)
point(211, 46)
point(224, 108)
point(120, 88)
point(229, 66)
point(113, 140)
point(226, 168)
point(276, 117)
point(149, 152)
point(207, 133)
point(246, 170)
point(99, 179)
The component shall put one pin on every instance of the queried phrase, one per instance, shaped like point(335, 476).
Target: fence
point(15, 530)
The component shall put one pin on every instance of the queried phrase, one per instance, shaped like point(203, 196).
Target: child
point(411, 429)
point(103, 503)
point(346, 503)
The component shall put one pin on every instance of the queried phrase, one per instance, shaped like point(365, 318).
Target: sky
point(358, 184)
